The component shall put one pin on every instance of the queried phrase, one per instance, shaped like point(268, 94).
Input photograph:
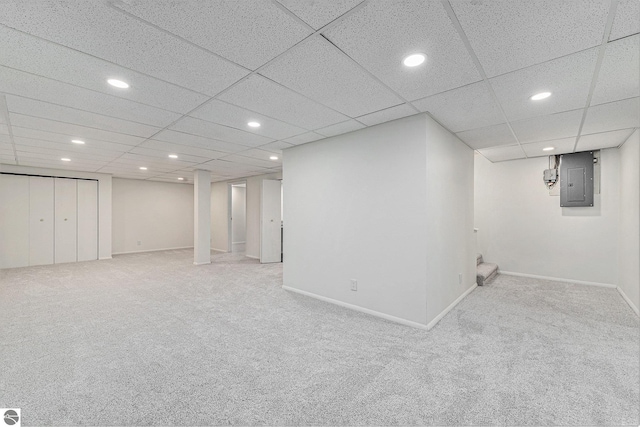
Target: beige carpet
point(150, 339)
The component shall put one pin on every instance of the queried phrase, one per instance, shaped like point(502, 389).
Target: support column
point(202, 217)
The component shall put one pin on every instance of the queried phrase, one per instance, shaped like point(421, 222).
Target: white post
point(202, 217)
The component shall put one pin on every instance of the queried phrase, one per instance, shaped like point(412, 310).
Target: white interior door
point(14, 221)
point(87, 220)
point(41, 226)
point(65, 220)
point(270, 222)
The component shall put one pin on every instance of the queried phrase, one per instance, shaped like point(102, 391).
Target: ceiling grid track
point(596, 72)
point(252, 73)
point(476, 61)
point(5, 113)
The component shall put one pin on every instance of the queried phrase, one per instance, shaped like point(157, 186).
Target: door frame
point(230, 210)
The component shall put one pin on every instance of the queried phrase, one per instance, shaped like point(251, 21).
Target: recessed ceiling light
point(173, 156)
point(254, 124)
point(180, 179)
point(118, 83)
point(142, 168)
point(414, 60)
point(77, 141)
point(274, 157)
point(64, 159)
point(539, 96)
point(548, 148)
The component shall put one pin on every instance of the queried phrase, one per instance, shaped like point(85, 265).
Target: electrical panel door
point(576, 179)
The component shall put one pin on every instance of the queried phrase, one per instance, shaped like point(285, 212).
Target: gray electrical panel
point(576, 179)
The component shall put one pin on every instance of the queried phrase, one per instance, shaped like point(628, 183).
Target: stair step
point(485, 272)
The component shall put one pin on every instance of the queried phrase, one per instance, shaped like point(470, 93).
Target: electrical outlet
point(459, 278)
point(354, 285)
point(139, 242)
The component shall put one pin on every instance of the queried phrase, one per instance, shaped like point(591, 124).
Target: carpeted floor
point(149, 339)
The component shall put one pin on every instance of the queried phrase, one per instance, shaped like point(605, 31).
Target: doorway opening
point(238, 217)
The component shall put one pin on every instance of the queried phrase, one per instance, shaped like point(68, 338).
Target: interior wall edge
point(558, 279)
point(628, 301)
point(358, 308)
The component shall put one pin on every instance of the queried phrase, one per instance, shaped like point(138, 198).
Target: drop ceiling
point(199, 71)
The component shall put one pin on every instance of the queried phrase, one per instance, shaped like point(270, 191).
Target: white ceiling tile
point(215, 131)
point(602, 140)
point(164, 155)
point(489, 136)
point(386, 115)
point(24, 145)
point(261, 154)
point(101, 31)
point(276, 147)
point(55, 158)
point(40, 57)
point(627, 20)
point(612, 116)
point(510, 35)
point(198, 141)
point(561, 146)
point(71, 148)
point(44, 89)
point(246, 32)
point(227, 167)
point(379, 36)
point(544, 128)
point(59, 113)
point(252, 161)
point(236, 117)
point(318, 70)
point(66, 139)
point(619, 76)
point(39, 163)
point(319, 13)
point(269, 98)
point(501, 154)
point(463, 108)
point(304, 138)
point(8, 160)
point(20, 120)
point(4, 130)
point(4, 138)
point(168, 147)
point(340, 128)
point(567, 78)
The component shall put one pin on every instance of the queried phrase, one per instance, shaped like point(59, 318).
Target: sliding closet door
point(14, 221)
point(65, 220)
point(40, 220)
point(87, 220)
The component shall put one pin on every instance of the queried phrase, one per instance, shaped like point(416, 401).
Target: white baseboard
point(237, 243)
point(626, 298)
point(151, 250)
point(219, 250)
point(557, 279)
point(358, 308)
point(251, 256)
point(105, 257)
point(448, 309)
point(201, 263)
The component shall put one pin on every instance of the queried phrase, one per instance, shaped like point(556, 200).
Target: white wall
point(451, 241)
point(220, 213)
point(629, 229)
point(157, 214)
point(104, 199)
point(524, 230)
point(358, 206)
point(238, 213)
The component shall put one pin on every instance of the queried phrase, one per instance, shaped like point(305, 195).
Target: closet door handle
point(41, 219)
